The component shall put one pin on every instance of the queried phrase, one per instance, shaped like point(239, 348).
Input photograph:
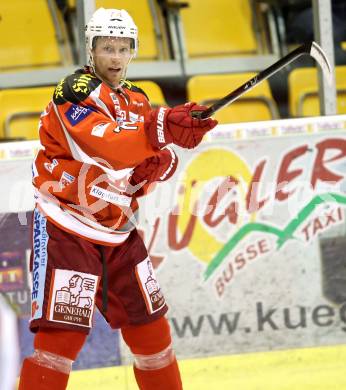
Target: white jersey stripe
point(95, 232)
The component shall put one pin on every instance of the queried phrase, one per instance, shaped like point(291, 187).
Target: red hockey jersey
point(92, 138)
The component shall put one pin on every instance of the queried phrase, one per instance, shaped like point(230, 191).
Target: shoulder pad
point(132, 87)
point(75, 88)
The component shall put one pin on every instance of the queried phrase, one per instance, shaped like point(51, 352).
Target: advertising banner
point(249, 241)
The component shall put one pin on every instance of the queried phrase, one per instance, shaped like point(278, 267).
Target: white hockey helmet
point(110, 23)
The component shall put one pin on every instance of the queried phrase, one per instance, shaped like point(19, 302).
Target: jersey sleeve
point(92, 132)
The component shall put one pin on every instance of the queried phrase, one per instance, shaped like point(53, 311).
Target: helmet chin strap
point(125, 70)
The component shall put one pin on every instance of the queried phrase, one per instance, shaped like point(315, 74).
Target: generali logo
point(150, 287)
point(72, 297)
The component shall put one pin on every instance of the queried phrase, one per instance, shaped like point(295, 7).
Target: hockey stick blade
point(311, 48)
point(320, 57)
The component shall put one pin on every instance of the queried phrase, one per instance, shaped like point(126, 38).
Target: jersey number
point(126, 126)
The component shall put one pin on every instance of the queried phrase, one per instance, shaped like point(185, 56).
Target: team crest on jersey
point(72, 297)
point(150, 288)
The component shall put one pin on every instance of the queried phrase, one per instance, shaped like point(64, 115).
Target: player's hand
point(157, 168)
point(176, 125)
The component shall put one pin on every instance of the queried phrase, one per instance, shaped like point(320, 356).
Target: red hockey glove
point(176, 125)
point(157, 168)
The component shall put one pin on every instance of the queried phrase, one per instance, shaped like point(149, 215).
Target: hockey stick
point(312, 49)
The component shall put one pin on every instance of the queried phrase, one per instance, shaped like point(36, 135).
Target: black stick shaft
point(263, 75)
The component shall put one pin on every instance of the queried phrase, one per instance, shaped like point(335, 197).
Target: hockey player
point(103, 147)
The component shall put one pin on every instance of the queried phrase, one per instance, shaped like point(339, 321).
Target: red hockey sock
point(167, 378)
point(64, 346)
point(38, 377)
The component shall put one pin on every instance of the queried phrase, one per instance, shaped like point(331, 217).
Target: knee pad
point(60, 342)
point(149, 338)
point(151, 344)
point(155, 361)
point(51, 361)
point(57, 349)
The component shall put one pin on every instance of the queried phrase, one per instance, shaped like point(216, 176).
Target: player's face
point(111, 56)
